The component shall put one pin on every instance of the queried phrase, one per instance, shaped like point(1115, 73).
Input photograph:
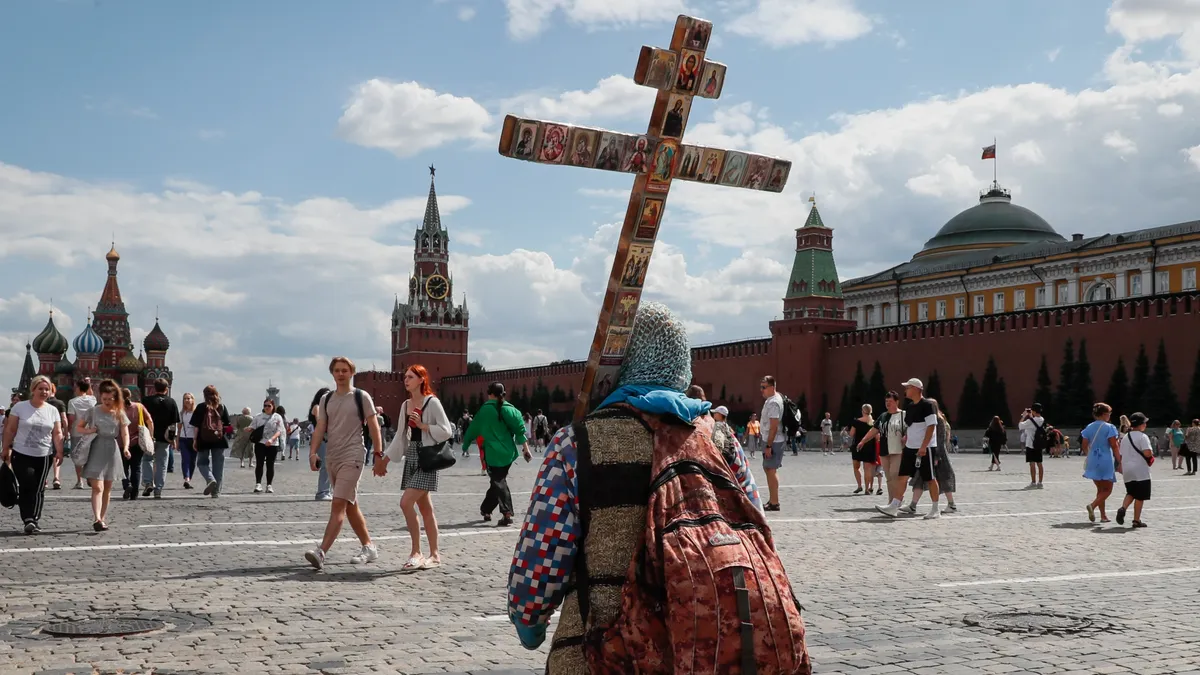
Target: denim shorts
point(775, 461)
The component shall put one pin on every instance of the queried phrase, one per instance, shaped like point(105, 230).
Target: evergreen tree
point(970, 406)
point(1042, 394)
point(1193, 403)
point(475, 368)
point(802, 406)
point(989, 390)
point(558, 395)
point(1003, 411)
point(1117, 395)
point(1065, 403)
point(1161, 402)
point(1085, 396)
point(877, 390)
point(933, 387)
point(473, 404)
point(1141, 379)
point(858, 391)
point(722, 398)
point(824, 407)
point(845, 411)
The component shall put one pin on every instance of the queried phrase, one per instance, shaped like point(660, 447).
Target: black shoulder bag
point(437, 456)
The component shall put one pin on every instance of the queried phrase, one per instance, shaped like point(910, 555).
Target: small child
point(1137, 454)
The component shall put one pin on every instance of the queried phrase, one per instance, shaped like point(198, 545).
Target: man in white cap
point(921, 419)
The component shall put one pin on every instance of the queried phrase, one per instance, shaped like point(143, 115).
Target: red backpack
point(211, 430)
point(707, 593)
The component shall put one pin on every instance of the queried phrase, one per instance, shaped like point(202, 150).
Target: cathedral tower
point(429, 329)
point(111, 321)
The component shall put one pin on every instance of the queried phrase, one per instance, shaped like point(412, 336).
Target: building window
point(1019, 299)
point(998, 303)
point(1135, 284)
point(941, 309)
point(1162, 282)
point(904, 314)
point(1099, 292)
point(854, 314)
point(887, 314)
point(1040, 297)
point(923, 311)
point(960, 307)
point(1063, 297)
point(978, 305)
point(1189, 279)
point(869, 315)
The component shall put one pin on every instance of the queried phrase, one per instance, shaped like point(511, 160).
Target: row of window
point(1099, 291)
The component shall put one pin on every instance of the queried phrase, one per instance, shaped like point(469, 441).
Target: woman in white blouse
point(187, 440)
point(32, 442)
point(425, 424)
point(266, 447)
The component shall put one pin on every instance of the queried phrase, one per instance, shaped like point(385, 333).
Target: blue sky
point(232, 144)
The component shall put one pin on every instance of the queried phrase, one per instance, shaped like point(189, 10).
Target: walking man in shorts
point(774, 439)
point(341, 420)
point(920, 441)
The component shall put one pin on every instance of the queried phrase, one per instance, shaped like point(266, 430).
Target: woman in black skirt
point(996, 438)
point(866, 457)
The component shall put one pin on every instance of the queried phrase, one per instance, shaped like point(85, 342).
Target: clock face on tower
point(437, 287)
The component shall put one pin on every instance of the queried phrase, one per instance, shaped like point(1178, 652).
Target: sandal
point(431, 563)
point(415, 563)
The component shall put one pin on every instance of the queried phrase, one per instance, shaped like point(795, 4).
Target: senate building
point(996, 288)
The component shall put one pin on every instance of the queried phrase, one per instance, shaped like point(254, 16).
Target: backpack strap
point(358, 401)
point(749, 665)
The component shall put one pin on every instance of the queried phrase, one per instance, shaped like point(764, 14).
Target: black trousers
point(498, 493)
point(31, 480)
point(133, 469)
point(264, 454)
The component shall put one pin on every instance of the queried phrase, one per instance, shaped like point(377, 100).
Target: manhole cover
point(1036, 623)
point(102, 627)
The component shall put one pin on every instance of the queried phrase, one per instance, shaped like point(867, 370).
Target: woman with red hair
point(426, 424)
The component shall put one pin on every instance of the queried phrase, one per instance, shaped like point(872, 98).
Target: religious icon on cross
point(656, 158)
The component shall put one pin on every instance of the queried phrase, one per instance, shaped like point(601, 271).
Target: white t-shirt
point(271, 425)
point(185, 418)
point(895, 431)
point(1133, 463)
point(294, 434)
point(1028, 427)
point(772, 410)
point(827, 427)
point(919, 417)
point(77, 408)
point(35, 429)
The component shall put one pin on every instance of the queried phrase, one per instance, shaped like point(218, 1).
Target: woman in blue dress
point(1103, 459)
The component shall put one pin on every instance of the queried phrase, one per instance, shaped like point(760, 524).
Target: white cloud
point(1146, 21)
point(946, 178)
point(528, 18)
point(782, 23)
point(117, 107)
point(1170, 110)
point(466, 13)
point(1119, 142)
point(1193, 155)
point(406, 118)
point(1028, 152)
point(614, 97)
point(210, 134)
point(1052, 55)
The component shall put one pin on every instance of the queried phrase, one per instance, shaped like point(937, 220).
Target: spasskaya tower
point(428, 328)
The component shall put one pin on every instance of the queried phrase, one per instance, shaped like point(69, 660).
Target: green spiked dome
point(50, 341)
point(994, 222)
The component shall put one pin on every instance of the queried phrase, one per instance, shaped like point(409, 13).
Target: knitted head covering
point(659, 352)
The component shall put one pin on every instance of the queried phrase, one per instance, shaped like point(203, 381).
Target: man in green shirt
point(503, 429)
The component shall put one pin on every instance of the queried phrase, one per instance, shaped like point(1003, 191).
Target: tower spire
point(433, 220)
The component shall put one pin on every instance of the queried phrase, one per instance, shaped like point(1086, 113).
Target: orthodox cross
point(656, 158)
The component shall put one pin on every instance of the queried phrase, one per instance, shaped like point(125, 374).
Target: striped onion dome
point(89, 342)
point(50, 341)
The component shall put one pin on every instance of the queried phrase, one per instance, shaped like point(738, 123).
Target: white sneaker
point(1031, 486)
point(316, 558)
point(889, 510)
point(270, 490)
point(933, 515)
point(1041, 487)
point(952, 508)
point(258, 487)
point(911, 508)
point(368, 554)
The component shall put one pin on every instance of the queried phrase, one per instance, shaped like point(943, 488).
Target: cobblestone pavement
point(881, 596)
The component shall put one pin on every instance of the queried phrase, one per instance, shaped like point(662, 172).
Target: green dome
point(994, 222)
point(64, 366)
point(50, 341)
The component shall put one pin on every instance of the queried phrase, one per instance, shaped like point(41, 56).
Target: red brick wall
point(957, 348)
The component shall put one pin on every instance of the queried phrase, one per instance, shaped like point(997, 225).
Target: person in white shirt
point(920, 441)
point(32, 442)
point(77, 408)
point(1136, 455)
point(266, 447)
point(1031, 422)
point(774, 440)
point(187, 440)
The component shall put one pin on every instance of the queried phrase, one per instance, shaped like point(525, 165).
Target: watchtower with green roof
point(814, 284)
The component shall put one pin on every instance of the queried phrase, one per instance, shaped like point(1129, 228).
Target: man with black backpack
point(1036, 436)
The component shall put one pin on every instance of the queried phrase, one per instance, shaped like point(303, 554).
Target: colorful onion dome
point(156, 340)
point(89, 342)
point(50, 341)
point(64, 366)
point(129, 364)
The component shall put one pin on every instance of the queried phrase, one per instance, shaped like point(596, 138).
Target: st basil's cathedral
point(103, 350)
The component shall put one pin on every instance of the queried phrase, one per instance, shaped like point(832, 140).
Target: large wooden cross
point(657, 158)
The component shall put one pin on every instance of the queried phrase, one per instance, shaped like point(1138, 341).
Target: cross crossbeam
point(656, 158)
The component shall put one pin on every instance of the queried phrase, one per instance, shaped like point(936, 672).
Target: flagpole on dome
point(995, 164)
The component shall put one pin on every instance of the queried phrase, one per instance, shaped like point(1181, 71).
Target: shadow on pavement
point(1075, 526)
